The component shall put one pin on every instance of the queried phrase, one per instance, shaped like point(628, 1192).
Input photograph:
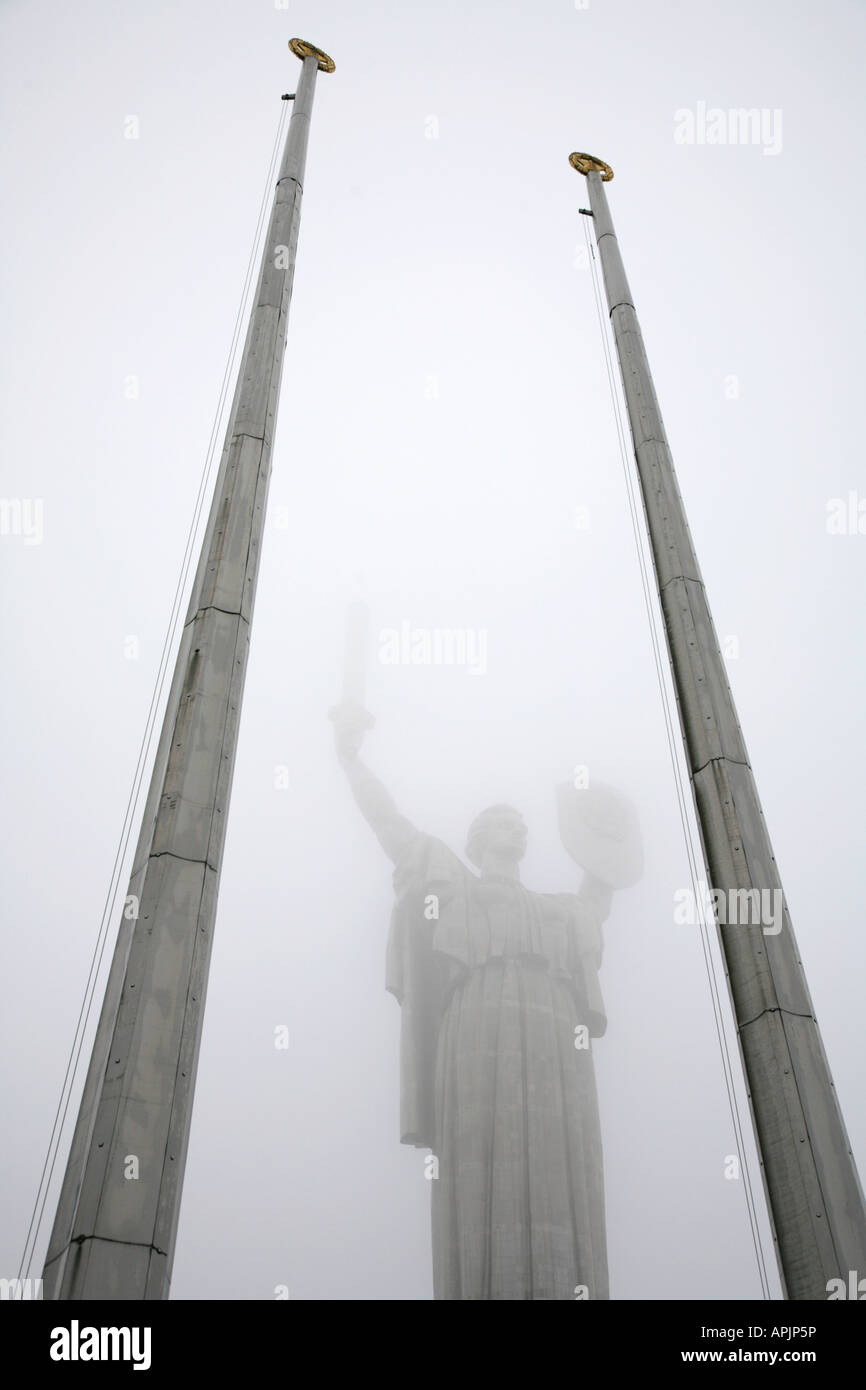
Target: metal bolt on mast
point(813, 1190)
point(116, 1223)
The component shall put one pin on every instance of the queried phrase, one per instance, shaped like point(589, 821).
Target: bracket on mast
point(588, 164)
point(302, 49)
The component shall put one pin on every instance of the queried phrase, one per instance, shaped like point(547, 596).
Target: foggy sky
point(444, 414)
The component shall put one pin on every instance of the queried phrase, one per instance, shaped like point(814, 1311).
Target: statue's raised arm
point(394, 831)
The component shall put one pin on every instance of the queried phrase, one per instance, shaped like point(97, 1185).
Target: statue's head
point(499, 828)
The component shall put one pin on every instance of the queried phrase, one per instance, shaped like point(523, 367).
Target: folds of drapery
point(518, 1202)
point(445, 922)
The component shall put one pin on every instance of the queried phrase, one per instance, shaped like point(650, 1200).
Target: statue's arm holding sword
point(394, 831)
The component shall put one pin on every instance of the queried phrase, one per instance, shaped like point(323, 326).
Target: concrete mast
point(813, 1190)
point(116, 1223)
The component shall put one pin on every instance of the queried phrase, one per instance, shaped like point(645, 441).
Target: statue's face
point(503, 831)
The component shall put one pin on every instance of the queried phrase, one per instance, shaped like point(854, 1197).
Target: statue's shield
point(599, 827)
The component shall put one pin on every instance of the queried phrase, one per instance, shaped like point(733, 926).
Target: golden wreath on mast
point(589, 164)
point(302, 49)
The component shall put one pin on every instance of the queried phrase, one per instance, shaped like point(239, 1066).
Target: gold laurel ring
point(588, 164)
point(302, 49)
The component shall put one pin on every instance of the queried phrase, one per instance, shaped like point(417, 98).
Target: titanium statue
point(499, 993)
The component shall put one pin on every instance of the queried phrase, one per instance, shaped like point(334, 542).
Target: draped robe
point(499, 996)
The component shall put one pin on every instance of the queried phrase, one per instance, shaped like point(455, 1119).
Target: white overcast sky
point(444, 412)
